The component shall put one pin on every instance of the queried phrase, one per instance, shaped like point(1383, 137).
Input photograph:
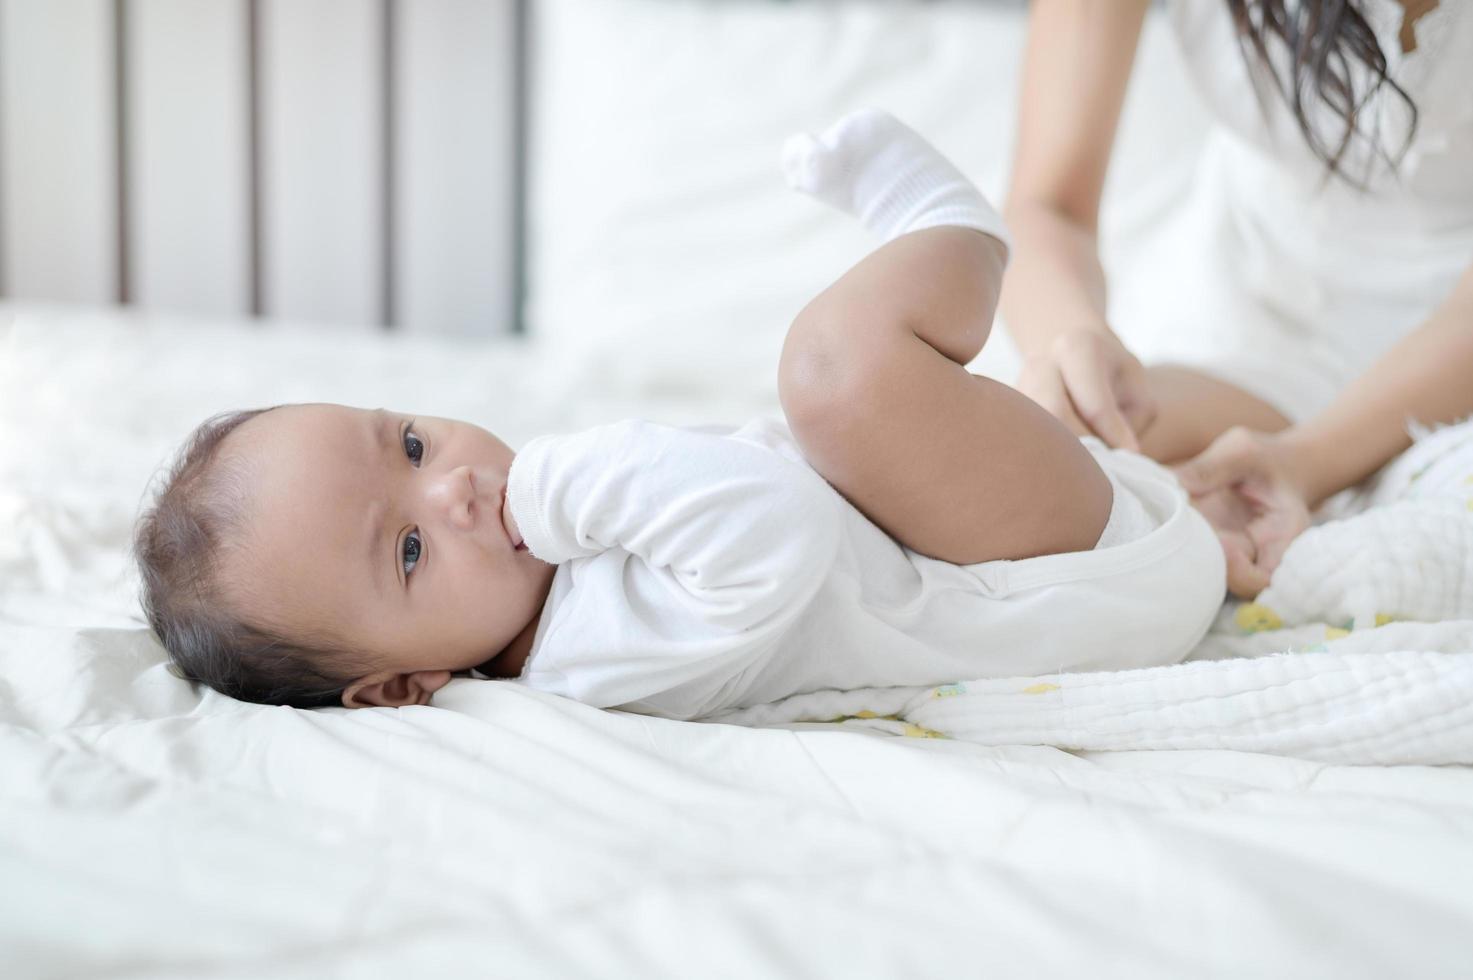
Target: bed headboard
point(345, 162)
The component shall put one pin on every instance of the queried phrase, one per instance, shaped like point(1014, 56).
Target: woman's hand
point(1090, 382)
point(1251, 487)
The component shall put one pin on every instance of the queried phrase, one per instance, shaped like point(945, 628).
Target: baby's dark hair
point(197, 513)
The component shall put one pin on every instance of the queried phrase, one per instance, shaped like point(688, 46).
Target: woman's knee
point(1193, 408)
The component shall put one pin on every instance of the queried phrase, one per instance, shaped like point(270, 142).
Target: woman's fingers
point(1042, 382)
point(1249, 467)
point(1089, 364)
point(1230, 518)
point(1245, 576)
point(1281, 521)
point(1271, 548)
point(1090, 382)
point(1226, 511)
point(1094, 402)
point(1229, 460)
point(1137, 402)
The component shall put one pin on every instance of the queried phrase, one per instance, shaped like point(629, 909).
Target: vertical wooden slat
point(345, 161)
point(254, 160)
point(187, 161)
point(121, 126)
point(59, 173)
point(388, 82)
point(320, 146)
point(455, 248)
point(520, 154)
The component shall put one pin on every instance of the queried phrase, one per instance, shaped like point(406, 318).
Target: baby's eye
point(413, 447)
point(412, 548)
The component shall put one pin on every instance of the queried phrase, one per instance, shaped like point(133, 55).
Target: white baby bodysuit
point(700, 570)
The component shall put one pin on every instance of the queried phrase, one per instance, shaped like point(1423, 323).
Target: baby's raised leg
point(872, 377)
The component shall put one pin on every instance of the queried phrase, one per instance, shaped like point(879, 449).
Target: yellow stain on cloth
point(1252, 617)
point(1335, 632)
point(1043, 688)
point(907, 728)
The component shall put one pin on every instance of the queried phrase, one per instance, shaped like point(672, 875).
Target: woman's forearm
point(1427, 377)
point(1075, 71)
point(1055, 283)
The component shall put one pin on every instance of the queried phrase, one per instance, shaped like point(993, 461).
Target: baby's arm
point(873, 378)
point(701, 550)
point(736, 535)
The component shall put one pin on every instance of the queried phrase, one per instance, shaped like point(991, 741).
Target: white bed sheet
point(149, 829)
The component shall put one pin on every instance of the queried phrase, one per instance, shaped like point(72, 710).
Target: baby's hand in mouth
point(513, 533)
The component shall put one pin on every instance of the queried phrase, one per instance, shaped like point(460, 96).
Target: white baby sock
point(878, 169)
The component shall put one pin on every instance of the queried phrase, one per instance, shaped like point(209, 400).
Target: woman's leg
point(1194, 408)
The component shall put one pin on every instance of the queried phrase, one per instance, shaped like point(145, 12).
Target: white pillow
point(665, 250)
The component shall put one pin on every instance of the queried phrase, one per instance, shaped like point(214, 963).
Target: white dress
point(1278, 280)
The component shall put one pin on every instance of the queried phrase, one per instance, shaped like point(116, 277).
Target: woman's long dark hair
point(1323, 39)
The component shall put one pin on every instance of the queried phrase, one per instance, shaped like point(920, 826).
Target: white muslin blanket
point(1359, 652)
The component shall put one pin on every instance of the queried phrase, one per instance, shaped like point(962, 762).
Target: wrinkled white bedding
point(149, 829)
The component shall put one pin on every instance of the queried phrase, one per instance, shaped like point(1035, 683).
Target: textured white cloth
point(1298, 283)
point(706, 570)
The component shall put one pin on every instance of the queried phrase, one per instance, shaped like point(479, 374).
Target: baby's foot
point(855, 159)
point(878, 169)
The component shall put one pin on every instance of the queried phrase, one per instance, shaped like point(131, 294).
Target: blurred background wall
point(600, 174)
point(346, 163)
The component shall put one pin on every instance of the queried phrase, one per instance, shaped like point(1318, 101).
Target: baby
point(910, 524)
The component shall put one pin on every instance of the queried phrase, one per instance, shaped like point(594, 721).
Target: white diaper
point(1142, 597)
point(1129, 518)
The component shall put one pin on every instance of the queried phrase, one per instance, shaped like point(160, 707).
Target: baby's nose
point(453, 494)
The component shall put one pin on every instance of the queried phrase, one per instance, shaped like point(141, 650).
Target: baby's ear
point(391, 690)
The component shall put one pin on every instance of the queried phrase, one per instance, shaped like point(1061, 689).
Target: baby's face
point(385, 532)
